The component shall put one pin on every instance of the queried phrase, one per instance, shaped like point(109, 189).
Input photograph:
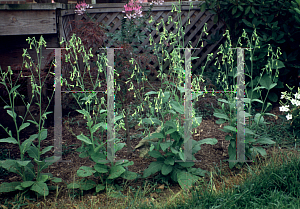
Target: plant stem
point(129, 150)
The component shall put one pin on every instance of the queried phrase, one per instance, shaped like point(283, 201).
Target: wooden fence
point(111, 15)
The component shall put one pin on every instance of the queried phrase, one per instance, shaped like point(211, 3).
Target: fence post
point(188, 144)
point(57, 108)
point(240, 145)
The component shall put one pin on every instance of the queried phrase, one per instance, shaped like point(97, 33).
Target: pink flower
point(132, 6)
point(81, 7)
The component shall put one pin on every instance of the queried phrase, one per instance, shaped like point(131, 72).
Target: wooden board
point(27, 22)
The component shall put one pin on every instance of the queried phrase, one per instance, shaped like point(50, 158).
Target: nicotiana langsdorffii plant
point(129, 38)
point(32, 179)
point(228, 114)
point(168, 149)
point(116, 170)
point(131, 35)
point(92, 146)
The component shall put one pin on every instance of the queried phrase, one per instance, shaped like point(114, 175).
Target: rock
point(161, 187)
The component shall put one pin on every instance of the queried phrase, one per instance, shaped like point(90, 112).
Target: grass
point(270, 183)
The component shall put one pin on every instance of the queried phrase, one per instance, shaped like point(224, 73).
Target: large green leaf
point(253, 10)
point(171, 124)
point(155, 154)
point(166, 169)
point(41, 188)
point(196, 122)
point(211, 141)
point(153, 168)
point(33, 152)
point(221, 115)
point(44, 177)
point(197, 171)
point(85, 139)
point(14, 89)
point(186, 179)
point(119, 146)
point(129, 175)
point(100, 187)
point(85, 171)
point(230, 128)
point(73, 186)
point(9, 187)
point(165, 145)
point(169, 160)
point(277, 64)
point(124, 163)
point(166, 97)
point(260, 150)
point(97, 126)
point(265, 140)
point(11, 113)
point(177, 107)
point(151, 121)
point(98, 157)
point(247, 23)
point(101, 168)
point(26, 184)
point(172, 130)
point(43, 134)
point(24, 126)
point(266, 82)
point(116, 171)
point(155, 135)
point(9, 140)
point(26, 144)
point(186, 164)
point(84, 112)
point(46, 149)
point(87, 184)
point(151, 92)
point(181, 155)
point(234, 10)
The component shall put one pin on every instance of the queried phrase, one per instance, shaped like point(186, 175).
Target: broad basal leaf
point(116, 171)
point(186, 179)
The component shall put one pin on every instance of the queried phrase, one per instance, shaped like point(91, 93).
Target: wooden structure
point(29, 19)
point(52, 20)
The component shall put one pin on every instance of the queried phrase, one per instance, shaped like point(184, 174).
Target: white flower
point(284, 108)
point(295, 102)
point(158, 2)
point(288, 117)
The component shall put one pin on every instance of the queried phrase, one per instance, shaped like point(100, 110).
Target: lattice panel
point(66, 26)
point(105, 14)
